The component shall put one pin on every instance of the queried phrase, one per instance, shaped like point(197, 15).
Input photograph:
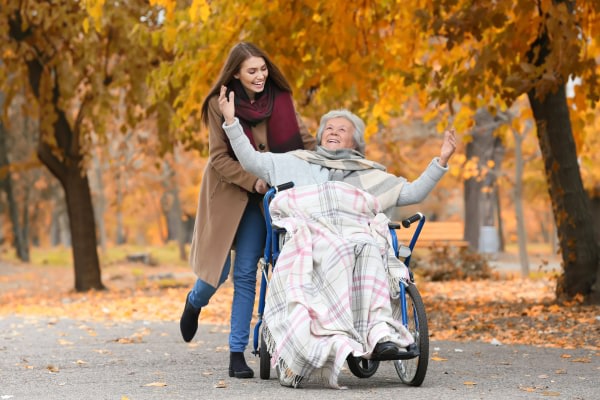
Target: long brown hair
point(237, 55)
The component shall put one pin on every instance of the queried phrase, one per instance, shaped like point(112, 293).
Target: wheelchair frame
point(411, 366)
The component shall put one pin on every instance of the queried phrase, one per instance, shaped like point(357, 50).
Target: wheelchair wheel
point(362, 368)
point(412, 372)
point(265, 358)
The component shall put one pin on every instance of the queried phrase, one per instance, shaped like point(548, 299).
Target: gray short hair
point(359, 127)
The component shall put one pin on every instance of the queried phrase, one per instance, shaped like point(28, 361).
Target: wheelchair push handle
point(412, 219)
point(274, 190)
point(284, 186)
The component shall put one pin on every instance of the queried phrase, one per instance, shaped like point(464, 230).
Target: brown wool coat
point(223, 197)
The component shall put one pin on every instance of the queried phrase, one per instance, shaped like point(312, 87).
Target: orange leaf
point(156, 384)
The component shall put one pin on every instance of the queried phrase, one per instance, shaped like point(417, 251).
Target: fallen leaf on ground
point(581, 360)
point(156, 384)
point(527, 389)
point(52, 368)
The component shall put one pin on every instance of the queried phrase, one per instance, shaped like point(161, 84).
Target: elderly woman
point(330, 295)
point(339, 157)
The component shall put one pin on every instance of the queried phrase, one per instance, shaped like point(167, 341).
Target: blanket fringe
point(394, 285)
point(286, 376)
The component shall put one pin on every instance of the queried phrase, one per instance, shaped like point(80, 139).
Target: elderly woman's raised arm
point(417, 190)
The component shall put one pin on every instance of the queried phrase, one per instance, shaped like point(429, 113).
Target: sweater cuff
point(436, 169)
point(234, 130)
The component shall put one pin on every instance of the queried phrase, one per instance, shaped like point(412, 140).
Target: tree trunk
point(595, 204)
point(81, 214)
point(121, 235)
point(480, 191)
point(471, 193)
point(68, 170)
point(570, 203)
point(19, 241)
point(518, 202)
point(171, 206)
point(99, 200)
point(63, 158)
point(501, 240)
point(59, 223)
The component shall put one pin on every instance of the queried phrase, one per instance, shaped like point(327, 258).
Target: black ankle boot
point(188, 324)
point(238, 366)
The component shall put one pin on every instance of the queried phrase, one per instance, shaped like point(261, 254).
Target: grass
point(62, 256)
point(58, 256)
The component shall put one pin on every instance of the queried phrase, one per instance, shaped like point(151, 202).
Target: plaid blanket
point(329, 293)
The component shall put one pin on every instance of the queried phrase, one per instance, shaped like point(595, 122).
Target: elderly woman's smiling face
point(338, 134)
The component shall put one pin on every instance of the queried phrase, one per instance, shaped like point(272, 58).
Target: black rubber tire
point(362, 368)
point(412, 372)
point(265, 358)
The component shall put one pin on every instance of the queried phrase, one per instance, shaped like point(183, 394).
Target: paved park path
point(56, 358)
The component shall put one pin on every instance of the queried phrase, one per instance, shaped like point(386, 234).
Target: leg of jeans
point(250, 242)
point(202, 291)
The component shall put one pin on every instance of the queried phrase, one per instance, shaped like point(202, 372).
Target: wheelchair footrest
point(412, 352)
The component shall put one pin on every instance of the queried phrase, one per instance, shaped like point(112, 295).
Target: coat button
point(262, 146)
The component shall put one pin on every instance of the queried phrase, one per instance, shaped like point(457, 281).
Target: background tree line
point(98, 79)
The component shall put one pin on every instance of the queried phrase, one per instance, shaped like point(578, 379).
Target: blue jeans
point(249, 246)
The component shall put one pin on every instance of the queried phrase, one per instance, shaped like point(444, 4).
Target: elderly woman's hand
point(226, 105)
point(448, 147)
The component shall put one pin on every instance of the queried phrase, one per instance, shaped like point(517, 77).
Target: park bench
point(436, 233)
point(144, 258)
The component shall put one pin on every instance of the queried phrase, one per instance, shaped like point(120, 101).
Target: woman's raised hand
point(448, 147)
point(226, 105)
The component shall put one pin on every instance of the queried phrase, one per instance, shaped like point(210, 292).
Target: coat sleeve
point(415, 192)
point(230, 169)
point(260, 164)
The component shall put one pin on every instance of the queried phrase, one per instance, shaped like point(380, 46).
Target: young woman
point(229, 213)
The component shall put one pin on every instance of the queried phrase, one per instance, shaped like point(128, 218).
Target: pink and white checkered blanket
point(329, 294)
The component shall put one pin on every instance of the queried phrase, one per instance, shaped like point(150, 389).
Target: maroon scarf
point(274, 105)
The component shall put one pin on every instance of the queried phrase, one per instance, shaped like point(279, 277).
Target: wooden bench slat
point(435, 232)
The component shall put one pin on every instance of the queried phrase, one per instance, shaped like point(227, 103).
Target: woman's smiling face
point(253, 75)
point(338, 134)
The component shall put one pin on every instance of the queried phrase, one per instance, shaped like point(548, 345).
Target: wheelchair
point(411, 365)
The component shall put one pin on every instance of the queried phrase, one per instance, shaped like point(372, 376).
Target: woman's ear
point(236, 76)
